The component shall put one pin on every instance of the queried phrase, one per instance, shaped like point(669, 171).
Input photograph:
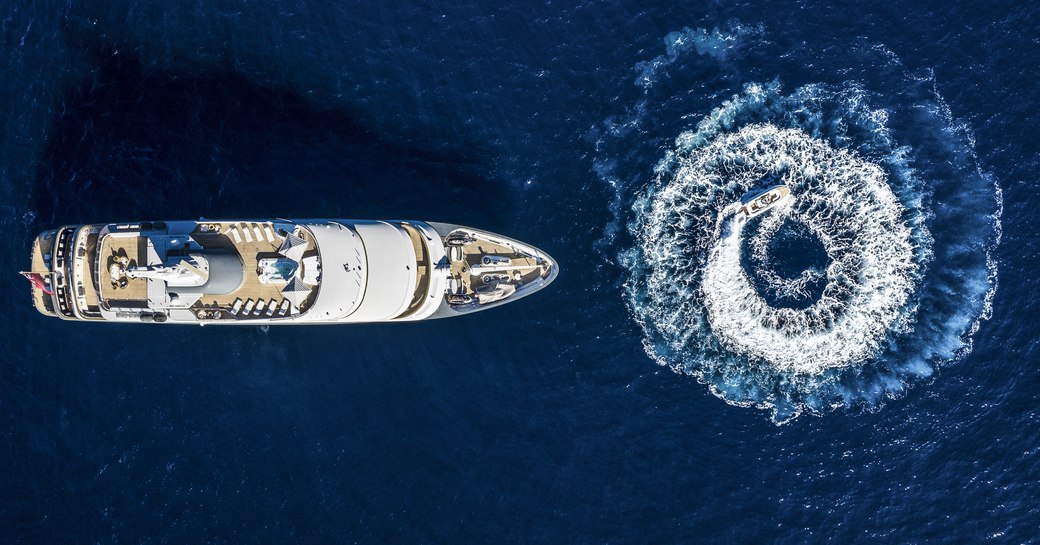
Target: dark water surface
point(598, 411)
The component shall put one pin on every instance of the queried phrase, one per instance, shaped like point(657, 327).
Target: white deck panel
point(344, 272)
point(391, 260)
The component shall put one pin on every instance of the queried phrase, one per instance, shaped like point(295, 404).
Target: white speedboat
point(757, 202)
point(279, 271)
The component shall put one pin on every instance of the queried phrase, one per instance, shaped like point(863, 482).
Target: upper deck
point(258, 244)
point(245, 270)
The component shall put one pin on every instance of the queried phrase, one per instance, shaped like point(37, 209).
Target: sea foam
point(877, 313)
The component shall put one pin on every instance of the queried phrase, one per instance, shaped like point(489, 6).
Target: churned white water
point(842, 199)
point(888, 233)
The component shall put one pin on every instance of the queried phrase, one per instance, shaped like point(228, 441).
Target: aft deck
point(41, 251)
point(130, 250)
point(84, 271)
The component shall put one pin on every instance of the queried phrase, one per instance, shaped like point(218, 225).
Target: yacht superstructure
point(279, 271)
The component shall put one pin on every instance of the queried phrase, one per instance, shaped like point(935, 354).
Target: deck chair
point(258, 233)
point(268, 233)
point(236, 306)
point(247, 233)
point(270, 307)
point(234, 234)
point(248, 308)
point(259, 307)
point(310, 270)
point(284, 309)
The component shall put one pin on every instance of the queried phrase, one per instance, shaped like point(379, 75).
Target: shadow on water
point(131, 142)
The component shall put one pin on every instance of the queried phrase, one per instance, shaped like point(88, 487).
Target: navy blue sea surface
point(642, 398)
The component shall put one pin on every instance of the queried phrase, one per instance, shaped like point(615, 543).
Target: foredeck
point(527, 267)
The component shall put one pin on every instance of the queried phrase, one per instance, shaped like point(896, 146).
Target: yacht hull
point(280, 272)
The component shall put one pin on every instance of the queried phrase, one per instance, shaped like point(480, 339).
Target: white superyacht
point(279, 271)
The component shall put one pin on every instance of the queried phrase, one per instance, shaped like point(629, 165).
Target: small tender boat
point(756, 202)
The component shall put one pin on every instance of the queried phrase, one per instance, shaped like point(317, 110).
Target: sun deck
point(252, 242)
point(255, 297)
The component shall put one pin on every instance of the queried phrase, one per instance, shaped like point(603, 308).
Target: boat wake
point(841, 199)
point(876, 271)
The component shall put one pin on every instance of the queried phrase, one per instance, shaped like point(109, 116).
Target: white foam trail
point(716, 43)
point(842, 199)
point(909, 272)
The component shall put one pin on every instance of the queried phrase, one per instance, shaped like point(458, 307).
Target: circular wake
point(841, 199)
point(875, 271)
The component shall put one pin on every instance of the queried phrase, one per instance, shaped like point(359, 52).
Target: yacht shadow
point(135, 143)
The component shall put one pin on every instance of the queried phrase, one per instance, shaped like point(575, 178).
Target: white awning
point(293, 247)
point(296, 292)
point(343, 273)
point(367, 271)
point(391, 271)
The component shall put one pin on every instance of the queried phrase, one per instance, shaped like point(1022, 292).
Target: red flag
point(38, 282)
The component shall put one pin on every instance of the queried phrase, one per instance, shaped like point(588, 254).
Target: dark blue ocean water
point(617, 406)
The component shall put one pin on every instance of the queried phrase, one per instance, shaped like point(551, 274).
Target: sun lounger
point(310, 270)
